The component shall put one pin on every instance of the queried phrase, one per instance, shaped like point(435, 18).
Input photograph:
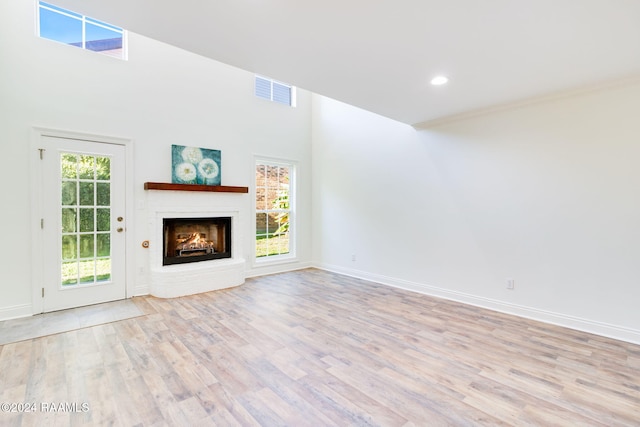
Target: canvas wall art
point(193, 165)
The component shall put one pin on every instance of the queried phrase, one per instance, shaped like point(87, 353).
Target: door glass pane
point(103, 168)
point(69, 220)
point(69, 273)
point(103, 270)
point(104, 219)
point(69, 165)
point(87, 271)
point(103, 193)
point(69, 248)
point(86, 167)
point(86, 246)
point(86, 237)
point(86, 194)
point(86, 220)
point(69, 193)
point(103, 244)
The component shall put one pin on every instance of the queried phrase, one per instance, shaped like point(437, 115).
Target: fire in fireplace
point(196, 239)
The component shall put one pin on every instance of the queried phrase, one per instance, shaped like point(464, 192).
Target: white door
point(83, 225)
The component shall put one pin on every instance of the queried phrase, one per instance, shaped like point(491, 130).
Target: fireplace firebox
point(196, 239)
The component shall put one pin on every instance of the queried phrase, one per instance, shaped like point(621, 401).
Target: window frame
point(272, 98)
point(84, 21)
point(291, 256)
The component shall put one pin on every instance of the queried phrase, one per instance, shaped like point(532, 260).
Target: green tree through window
point(274, 224)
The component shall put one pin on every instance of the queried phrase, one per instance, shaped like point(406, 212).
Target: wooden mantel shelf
point(194, 187)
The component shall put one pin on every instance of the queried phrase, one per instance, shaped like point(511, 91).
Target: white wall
point(161, 96)
point(545, 194)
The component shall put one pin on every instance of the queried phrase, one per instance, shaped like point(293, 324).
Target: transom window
point(65, 26)
point(272, 90)
point(274, 209)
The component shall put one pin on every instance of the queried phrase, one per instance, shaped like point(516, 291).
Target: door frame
point(36, 179)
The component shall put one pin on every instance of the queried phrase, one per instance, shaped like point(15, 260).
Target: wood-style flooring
point(66, 320)
point(313, 348)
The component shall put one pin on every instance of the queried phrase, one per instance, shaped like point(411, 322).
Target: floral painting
point(193, 165)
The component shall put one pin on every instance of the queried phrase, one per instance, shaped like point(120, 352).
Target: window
point(71, 28)
point(274, 209)
point(272, 90)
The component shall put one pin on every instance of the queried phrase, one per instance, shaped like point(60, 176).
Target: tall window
point(65, 26)
point(272, 90)
point(274, 209)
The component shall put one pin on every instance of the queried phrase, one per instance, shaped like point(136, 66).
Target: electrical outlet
point(511, 284)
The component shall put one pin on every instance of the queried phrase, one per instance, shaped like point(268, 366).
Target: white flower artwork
point(208, 170)
point(193, 165)
point(192, 155)
point(185, 172)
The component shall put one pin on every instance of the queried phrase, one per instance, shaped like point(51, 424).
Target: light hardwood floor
point(313, 348)
point(66, 320)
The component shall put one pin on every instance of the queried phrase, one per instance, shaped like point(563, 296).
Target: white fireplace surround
point(170, 281)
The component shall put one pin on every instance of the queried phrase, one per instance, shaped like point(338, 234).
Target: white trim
point(130, 247)
point(281, 267)
point(280, 161)
point(37, 279)
point(61, 11)
point(140, 290)
point(35, 188)
point(15, 312)
point(585, 325)
point(275, 259)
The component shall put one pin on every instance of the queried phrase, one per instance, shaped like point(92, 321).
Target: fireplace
point(169, 210)
point(187, 240)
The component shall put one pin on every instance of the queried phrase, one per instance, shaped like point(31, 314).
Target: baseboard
point(16, 311)
point(140, 290)
point(558, 319)
point(266, 270)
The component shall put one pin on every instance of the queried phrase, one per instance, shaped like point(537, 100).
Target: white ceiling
point(380, 55)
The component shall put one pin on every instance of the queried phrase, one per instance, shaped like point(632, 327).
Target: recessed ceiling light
point(439, 80)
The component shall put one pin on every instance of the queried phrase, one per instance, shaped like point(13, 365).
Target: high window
point(274, 209)
point(65, 26)
point(272, 90)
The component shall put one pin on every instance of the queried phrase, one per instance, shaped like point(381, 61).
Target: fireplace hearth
point(187, 240)
point(175, 217)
